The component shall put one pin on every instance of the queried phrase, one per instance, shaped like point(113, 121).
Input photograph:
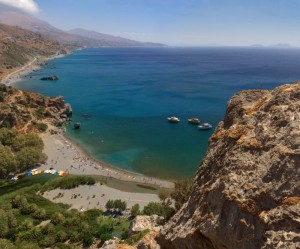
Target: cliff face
point(26, 111)
point(247, 188)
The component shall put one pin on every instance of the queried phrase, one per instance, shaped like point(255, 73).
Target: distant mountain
point(281, 45)
point(19, 46)
point(116, 40)
point(15, 17)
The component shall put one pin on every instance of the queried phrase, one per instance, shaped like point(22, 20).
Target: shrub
point(8, 163)
point(68, 182)
point(6, 244)
point(47, 241)
point(181, 193)
point(7, 136)
point(42, 127)
point(137, 237)
point(135, 210)
point(3, 224)
point(19, 201)
point(39, 214)
point(61, 236)
point(161, 209)
point(57, 218)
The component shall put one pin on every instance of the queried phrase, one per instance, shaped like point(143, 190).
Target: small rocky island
point(53, 77)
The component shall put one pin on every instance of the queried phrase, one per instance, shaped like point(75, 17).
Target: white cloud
point(27, 5)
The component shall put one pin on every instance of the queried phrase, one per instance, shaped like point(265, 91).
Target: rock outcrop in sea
point(247, 189)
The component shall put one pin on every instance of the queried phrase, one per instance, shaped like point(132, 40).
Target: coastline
point(60, 148)
point(67, 155)
point(28, 68)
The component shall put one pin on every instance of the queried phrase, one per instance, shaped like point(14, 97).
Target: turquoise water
point(129, 93)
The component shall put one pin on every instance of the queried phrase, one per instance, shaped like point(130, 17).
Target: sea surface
point(123, 96)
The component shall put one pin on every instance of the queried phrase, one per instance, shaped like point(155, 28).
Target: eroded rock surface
point(246, 192)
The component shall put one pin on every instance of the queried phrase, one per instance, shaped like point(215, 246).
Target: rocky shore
point(247, 190)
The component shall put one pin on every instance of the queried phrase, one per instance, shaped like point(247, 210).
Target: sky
point(177, 22)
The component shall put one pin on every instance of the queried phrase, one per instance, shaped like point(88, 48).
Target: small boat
point(194, 121)
point(77, 125)
point(173, 120)
point(205, 126)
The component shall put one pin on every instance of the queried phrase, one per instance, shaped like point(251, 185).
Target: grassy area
point(146, 187)
point(6, 187)
point(68, 182)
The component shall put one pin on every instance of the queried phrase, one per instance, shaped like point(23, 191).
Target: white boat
point(205, 126)
point(173, 120)
point(194, 121)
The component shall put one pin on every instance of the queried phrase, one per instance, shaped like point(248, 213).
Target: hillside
point(246, 191)
point(19, 46)
point(78, 37)
point(110, 39)
point(27, 111)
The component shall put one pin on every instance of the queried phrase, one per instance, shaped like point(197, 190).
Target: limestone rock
point(143, 222)
point(247, 189)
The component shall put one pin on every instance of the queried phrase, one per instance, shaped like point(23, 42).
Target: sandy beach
point(68, 156)
point(64, 154)
point(96, 196)
point(35, 64)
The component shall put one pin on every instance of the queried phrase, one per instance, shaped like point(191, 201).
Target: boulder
point(143, 222)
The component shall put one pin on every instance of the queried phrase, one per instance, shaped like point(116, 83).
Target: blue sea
point(128, 93)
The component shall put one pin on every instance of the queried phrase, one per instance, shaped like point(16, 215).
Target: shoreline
point(67, 155)
point(65, 144)
point(28, 68)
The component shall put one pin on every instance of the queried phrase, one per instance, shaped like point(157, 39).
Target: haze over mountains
point(80, 37)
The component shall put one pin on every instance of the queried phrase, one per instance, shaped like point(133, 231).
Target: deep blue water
point(129, 93)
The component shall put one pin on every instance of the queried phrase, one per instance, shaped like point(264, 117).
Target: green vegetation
point(137, 237)
point(42, 127)
point(68, 182)
point(19, 152)
point(146, 187)
point(28, 220)
point(159, 208)
point(182, 192)
point(116, 206)
point(135, 210)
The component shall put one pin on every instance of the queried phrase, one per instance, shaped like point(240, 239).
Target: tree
point(57, 218)
point(3, 224)
point(28, 157)
point(120, 205)
point(39, 214)
point(135, 210)
point(7, 136)
point(109, 205)
point(7, 161)
point(6, 244)
point(27, 140)
point(182, 192)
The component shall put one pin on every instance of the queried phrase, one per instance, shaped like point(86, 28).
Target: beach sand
point(35, 64)
point(64, 154)
point(68, 156)
point(88, 197)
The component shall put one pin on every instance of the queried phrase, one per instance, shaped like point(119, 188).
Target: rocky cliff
point(28, 111)
point(247, 188)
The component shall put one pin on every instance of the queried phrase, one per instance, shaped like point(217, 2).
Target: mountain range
point(79, 37)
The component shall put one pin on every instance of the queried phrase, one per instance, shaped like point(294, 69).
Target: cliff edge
point(247, 189)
